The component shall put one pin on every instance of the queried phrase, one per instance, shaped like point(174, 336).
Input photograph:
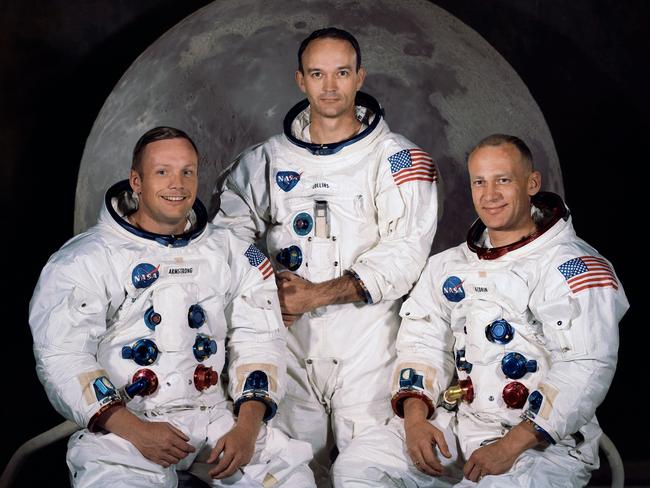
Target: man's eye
point(504, 180)
point(160, 172)
point(344, 72)
point(478, 183)
point(316, 75)
point(189, 172)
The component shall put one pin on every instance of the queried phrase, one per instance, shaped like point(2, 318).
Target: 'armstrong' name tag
point(180, 270)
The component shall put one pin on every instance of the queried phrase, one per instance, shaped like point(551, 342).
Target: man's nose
point(491, 191)
point(176, 180)
point(330, 83)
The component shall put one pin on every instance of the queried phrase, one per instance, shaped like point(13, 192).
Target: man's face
point(502, 185)
point(330, 78)
point(167, 185)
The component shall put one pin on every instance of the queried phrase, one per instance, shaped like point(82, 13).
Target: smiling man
point(507, 345)
point(130, 322)
point(348, 211)
point(166, 185)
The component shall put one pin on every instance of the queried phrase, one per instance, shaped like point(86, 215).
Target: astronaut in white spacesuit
point(526, 315)
point(347, 211)
point(130, 322)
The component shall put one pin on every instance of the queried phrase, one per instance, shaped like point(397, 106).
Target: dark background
point(585, 63)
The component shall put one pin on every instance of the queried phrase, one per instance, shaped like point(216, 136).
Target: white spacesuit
point(365, 206)
point(120, 315)
point(531, 330)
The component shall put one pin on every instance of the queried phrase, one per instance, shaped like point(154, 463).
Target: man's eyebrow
point(347, 66)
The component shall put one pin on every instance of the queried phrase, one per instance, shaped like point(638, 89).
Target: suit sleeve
point(425, 363)
point(256, 341)
point(244, 189)
point(407, 208)
point(67, 317)
point(579, 310)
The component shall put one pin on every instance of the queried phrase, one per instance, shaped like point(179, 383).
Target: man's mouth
point(173, 198)
point(493, 210)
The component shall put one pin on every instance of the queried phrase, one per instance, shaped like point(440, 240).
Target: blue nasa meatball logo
point(144, 274)
point(287, 180)
point(452, 288)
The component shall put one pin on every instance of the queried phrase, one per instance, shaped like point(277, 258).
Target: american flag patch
point(412, 165)
point(259, 260)
point(588, 272)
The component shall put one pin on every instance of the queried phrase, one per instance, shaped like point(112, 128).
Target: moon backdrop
point(225, 76)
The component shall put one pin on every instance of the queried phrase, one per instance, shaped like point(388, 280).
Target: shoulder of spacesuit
point(250, 165)
point(240, 254)
point(395, 152)
point(83, 261)
point(574, 267)
point(438, 264)
point(90, 245)
point(392, 143)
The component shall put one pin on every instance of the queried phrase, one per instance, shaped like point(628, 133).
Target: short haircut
point(499, 139)
point(329, 33)
point(157, 134)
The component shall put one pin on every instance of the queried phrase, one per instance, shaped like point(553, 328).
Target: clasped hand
point(297, 296)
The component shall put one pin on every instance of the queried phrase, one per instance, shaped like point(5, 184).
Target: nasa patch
point(287, 180)
point(144, 274)
point(452, 288)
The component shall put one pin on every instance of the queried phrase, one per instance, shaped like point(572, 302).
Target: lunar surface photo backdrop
point(225, 76)
point(81, 80)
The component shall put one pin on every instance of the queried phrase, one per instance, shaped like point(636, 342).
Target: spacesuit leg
point(538, 469)
point(277, 460)
point(107, 460)
point(378, 458)
point(361, 399)
point(558, 465)
point(302, 416)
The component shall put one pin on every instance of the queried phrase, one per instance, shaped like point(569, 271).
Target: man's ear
point(534, 183)
point(136, 181)
point(300, 80)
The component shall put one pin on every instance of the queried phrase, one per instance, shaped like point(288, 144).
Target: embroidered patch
point(144, 274)
point(588, 272)
point(412, 165)
point(452, 288)
point(320, 185)
point(257, 259)
point(303, 223)
point(287, 180)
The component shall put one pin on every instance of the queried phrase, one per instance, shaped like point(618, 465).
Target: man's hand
point(288, 319)
point(159, 442)
point(498, 457)
point(296, 294)
point(422, 437)
point(236, 448)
